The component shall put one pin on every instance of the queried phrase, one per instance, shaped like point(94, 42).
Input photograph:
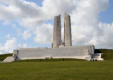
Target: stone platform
point(81, 52)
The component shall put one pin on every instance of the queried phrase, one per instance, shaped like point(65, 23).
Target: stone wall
point(82, 52)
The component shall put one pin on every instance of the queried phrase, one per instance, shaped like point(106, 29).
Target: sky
point(29, 23)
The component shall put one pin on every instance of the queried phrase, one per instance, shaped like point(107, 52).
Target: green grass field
point(58, 70)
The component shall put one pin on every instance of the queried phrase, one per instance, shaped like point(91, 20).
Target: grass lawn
point(58, 70)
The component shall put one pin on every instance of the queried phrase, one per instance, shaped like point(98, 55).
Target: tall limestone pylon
point(67, 31)
point(57, 32)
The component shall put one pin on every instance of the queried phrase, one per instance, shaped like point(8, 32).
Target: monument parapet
point(60, 49)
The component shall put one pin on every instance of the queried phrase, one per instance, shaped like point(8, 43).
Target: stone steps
point(8, 59)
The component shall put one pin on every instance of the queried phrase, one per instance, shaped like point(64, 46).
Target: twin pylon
point(57, 40)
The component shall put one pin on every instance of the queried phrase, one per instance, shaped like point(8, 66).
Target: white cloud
point(26, 35)
point(25, 45)
point(104, 38)
point(43, 34)
point(19, 9)
point(55, 7)
point(86, 27)
point(8, 36)
point(9, 46)
point(85, 20)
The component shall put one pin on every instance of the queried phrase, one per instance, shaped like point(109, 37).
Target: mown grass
point(58, 69)
point(107, 56)
point(107, 53)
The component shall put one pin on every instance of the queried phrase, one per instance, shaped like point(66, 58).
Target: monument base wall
point(82, 52)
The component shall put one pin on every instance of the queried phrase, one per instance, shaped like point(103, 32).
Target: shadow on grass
point(48, 60)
